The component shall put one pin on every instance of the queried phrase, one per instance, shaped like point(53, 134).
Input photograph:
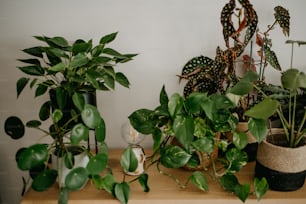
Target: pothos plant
point(67, 73)
point(194, 122)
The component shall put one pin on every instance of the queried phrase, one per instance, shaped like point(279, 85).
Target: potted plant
point(194, 122)
point(69, 74)
point(280, 156)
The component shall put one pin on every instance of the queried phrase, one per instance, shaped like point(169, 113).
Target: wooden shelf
point(164, 190)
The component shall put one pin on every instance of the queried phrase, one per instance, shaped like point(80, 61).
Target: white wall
point(165, 33)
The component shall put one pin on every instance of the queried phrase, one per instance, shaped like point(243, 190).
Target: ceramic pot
point(283, 167)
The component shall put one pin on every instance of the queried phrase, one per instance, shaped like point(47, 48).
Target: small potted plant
point(281, 155)
point(194, 122)
point(69, 74)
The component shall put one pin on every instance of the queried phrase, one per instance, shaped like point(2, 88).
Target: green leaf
point(142, 122)
point(122, 79)
point(91, 77)
point(59, 41)
point(122, 192)
point(100, 131)
point(33, 156)
point(263, 109)
point(21, 84)
point(40, 90)
point(76, 178)
point(204, 144)
point(108, 183)
point(175, 105)
point(236, 158)
point(34, 51)
point(258, 128)
point(113, 52)
point(261, 187)
point(194, 101)
point(108, 38)
point(293, 79)
point(97, 164)
point(33, 61)
point(33, 70)
point(174, 157)
point(61, 98)
point(58, 67)
point(78, 100)
point(242, 191)
point(241, 88)
point(78, 133)
point(129, 160)
point(14, 127)
point(163, 97)
point(90, 116)
point(57, 115)
point(44, 111)
point(143, 180)
point(79, 60)
point(44, 180)
point(240, 139)
point(109, 81)
point(33, 123)
point(69, 160)
point(80, 47)
point(183, 128)
point(229, 182)
point(199, 180)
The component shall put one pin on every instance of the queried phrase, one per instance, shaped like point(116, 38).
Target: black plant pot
point(283, 167)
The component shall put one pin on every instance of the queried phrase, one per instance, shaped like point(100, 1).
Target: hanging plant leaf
point(122, 192)
point(175, 105)
point(143, 180)
point(183, 127)
point(258, 128)
point(108, 183)
point(174, 157)
point(261, 187)
point(14, 127)
point(199, 180)
point(76, 179)
point(240, 139)
point(44, 180)
point(97, 164)
point(236, 158)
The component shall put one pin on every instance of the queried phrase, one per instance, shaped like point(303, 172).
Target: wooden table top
point(164, 190)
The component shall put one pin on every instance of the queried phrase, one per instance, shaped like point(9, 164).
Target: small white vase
point(141, 158)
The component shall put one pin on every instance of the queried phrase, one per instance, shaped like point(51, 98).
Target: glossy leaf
point(258, 128)
point(33, 156)
point(90, 116)
point(143, 180)
point(122, 79)
point(100, 131)
point(33, 124)
point(34, 51)
point(183, 128)
point(79, 60)
point(122, 192)
point(204, 144)
point(108, 183)
point(229, 182)
point(69, 160)
point(242, 191)
point(21, 84)
point(142, 122)
point(33, 70)
point(174, 157)
point(59, 41)
point(194, 100)
point(199, 180)
point(108, 38)
point(236, 158)
point(78, 133)
point(58, 67)
point(44, 111)
point(57, 115)
point(240, 139)
point(163, 97)
point(61, 98)
point(14, 127)
point(40, 90)
point(78, 100)
point(263, 109)
point(80, 47)
point(44, 180)
point(76, 178)
point(97, 164)
point(261, 187)
point(175, 105)
point(129, 160)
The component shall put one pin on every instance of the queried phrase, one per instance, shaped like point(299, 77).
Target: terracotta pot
point(283, 167)
point(251, 148)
